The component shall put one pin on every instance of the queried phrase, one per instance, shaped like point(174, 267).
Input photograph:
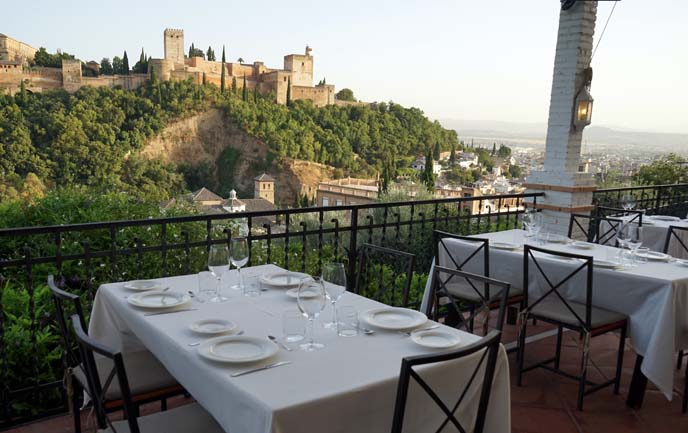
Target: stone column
point(566, 189)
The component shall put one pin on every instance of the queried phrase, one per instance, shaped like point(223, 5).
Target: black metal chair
point(190, 417)
point(489, 345)
point(481, 284)
point(151, 383)
point(385, 275)
point(589, 228)
point(554, 307)
point(463, 290)
point(615, 212)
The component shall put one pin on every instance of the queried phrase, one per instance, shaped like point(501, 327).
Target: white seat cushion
point(556, 310)
point(191, 418)
point(144, 373)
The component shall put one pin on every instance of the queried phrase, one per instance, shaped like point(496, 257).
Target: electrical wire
point(603, 30)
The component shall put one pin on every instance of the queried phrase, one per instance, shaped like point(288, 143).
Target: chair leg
point(76, 407)
point(583, 377)
point(619, 360)
point(679, 360)
point(685, 393)
point(558, 349)
point(521, 352)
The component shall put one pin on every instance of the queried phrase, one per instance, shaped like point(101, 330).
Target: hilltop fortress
point(17, 57)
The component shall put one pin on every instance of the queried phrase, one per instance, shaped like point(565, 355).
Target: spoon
point(367, 331)
point(198, 343)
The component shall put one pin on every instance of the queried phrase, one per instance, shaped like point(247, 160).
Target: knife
point(264, 367)
point(170, 312)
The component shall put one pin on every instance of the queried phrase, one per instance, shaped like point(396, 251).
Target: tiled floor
point(546, 402)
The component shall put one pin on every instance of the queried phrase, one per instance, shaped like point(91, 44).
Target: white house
point(467, 160)
point(419, 164)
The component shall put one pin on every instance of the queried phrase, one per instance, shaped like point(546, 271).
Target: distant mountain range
point(595, 138)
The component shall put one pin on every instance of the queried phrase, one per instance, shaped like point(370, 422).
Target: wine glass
point(218, 264)
point(239, 257)
point(622, 238)
point(311, 299)
point(334, 280)
point(528, 221)
point(628, 202)
point(633, 238)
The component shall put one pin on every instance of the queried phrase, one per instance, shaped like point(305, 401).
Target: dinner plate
point(237, 349)
point(285, 280)
point(682, 262)
point(394, 318)
point(294, 293)
point(607, 264)
point(504, 246)
point(142, 285)
point(665, 218)
point(557, 239)
point(440, 338)
point(582, 245)
point(213, 327)
point(158, 299)
point(654, 255)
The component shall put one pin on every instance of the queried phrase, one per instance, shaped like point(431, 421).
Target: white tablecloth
point(654, 233)
point(350, 386)
point(654, 295)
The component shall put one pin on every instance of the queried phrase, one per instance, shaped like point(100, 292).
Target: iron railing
point(655, 200)
point(83, 256)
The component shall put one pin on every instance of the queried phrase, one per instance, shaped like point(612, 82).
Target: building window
point(339, 202)
point(325, 201)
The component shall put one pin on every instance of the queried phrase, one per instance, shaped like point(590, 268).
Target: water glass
point(218, 265)
point(206, 286)
point(251, 289)
point(311, 300)
point(293, 326)
point(239, 257)
point(347, 326)
point(628, 202)
point(334, 280)
point(640, 254)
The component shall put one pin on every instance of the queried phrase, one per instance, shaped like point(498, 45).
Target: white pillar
point(566, 189)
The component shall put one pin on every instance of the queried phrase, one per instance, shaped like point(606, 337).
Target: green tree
point(428, 176)
point(255, 93)
point(345, 95)
point(240, 60)
point(205, 80)
point(235, 89)
point(222, 75)
point(515, 171)
point(289, 92)
point(125, 63)
point(141, 67)
point(494, 149)
point(106, 66)
point(504, 151)
point(666, 170)
point(244, 90)
point(45, 59)
point(117, 65)
point(436, 152)
point(452, 155)
point(210, 55)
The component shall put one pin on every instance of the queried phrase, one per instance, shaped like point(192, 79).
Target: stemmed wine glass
point(622, 236)
point(628, 202)
point(239, 257)
point(334, 280)
point(218, 264)
point(311, 299)
point(633, 238)
point(528, 222)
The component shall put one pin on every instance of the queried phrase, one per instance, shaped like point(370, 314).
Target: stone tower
point(71, 75)
point(301, 67)
point(174, 45)
point(567, 190)
point(264, 187)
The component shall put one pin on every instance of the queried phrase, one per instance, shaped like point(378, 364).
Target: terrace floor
point(546, 402)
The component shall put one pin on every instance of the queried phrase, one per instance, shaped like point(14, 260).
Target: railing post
point(353, 249)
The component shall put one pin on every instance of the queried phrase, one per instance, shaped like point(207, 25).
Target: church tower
point(264, 187)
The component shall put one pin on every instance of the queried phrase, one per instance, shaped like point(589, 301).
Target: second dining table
point(349, 386)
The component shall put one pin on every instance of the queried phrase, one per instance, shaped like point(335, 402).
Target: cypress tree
point(452, 156)
point(204, 80)
point(436, 153)
point(494, 148)
point(244, 90)
point(289, 92)
point(125, 63)
point(234, 85)
point(191, 50)
point(428, 175)
point(255, 93)
point(152, 76)
point(222, 76)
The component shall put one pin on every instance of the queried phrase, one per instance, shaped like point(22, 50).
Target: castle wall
point(71, 75)
point(319, 95)
point(12, 49)
point(163, 68)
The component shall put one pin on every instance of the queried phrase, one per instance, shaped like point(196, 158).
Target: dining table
point(654, 233)
point(653, 294)
point(348, 386)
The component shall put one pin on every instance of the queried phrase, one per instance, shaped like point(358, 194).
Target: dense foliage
point(669, 169)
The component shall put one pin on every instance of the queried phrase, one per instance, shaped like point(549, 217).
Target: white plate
point(158, 299)
point(213, 327)
point(237, 349)
point(142, 285)
point(441, 338)
point(504, 246)
point(607, 264)
point(664, 218)
point(394, 318)
point(283, 279)
point(582, 245)
point(654, 255)
point(682, 262)
point(294, 293)
point(557, 239)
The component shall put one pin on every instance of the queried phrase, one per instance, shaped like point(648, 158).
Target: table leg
point(636, 391)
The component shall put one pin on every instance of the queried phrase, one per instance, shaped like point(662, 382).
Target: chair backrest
point(674, 233)
point(439, 290)
point(598, 229)
point(635, 216)
point(60, 298)
point(471, 259)
point(489, 345)
point(88, 347)
point(584, 265)
point(385, 274)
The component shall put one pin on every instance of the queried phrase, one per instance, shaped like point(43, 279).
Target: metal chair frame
point(490, 347)
point(584, 325)
point(406, 260)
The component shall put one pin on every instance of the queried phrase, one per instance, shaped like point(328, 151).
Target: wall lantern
point(582, 114)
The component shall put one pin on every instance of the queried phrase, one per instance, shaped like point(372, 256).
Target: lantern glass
point(584, 109)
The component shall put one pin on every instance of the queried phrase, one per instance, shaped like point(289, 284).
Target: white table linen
point(654, 295)
point(350, 386)
point(654, 233)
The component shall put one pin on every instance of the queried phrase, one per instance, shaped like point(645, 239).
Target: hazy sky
point(462, 59)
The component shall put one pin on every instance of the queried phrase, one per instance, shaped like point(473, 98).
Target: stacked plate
point(393, 319)
point(159, 299)
point(283, 280)
point(142, 285)
point(505, 246)
point(607, 264)
point(237, 349)
point(214, 327)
